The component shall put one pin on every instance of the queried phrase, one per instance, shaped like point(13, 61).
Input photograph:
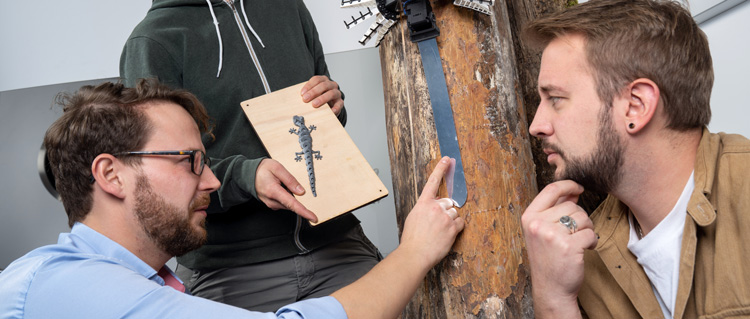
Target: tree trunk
point(486, 273)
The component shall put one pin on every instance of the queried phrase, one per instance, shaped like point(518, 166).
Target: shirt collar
point(91, 241)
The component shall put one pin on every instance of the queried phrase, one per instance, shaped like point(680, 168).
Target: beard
point(601, 171)
point(168, 226)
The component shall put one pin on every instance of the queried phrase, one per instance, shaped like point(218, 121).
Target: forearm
point(552, 306)
point(386, 289)
point(237, 176)
point(429, 231)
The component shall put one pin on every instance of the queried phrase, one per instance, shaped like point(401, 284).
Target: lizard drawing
point(305, 142)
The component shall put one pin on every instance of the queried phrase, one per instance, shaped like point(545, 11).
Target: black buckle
point(421, 20)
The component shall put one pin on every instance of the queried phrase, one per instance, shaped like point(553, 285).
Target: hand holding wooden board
point(313, 146)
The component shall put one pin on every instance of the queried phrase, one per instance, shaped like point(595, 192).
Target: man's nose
point(540, 126)
point(209, 181)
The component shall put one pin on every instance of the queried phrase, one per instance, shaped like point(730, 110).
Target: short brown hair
point(631, 39)
point(107, 118)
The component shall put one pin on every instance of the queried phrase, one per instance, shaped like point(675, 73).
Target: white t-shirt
point(659, 251)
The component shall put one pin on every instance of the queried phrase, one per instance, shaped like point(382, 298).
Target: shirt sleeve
point(100, 288)
point(185, 306)
point(237, 175)
point(326, 307)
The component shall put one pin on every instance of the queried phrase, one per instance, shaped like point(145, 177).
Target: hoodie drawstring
point(242, 6)
point(218, 32)
point(218, 35)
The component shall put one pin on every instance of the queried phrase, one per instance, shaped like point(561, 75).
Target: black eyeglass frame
point(191, 153)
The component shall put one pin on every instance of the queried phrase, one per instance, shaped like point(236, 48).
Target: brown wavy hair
point(106, 118)
point(631, 39)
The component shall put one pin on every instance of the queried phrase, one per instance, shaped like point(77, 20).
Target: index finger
point(312, 82)
point(433, 182)
point(552, 194)
point(288, 180)
point(301, 210)
point(294, 205)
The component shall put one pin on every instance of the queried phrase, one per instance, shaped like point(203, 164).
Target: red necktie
point(170, 280)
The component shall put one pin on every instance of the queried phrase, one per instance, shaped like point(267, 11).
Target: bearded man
point(133, 176)
point(625, 88)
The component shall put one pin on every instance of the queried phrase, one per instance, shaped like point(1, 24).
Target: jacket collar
point(613, 229)
point(699, 207)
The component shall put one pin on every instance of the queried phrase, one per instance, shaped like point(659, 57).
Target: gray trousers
point(268, 286)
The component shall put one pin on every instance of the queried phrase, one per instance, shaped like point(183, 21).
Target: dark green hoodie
point(224, 64)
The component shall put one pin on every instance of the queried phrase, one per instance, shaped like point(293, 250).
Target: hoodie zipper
point(249, 45)
point(246, 38)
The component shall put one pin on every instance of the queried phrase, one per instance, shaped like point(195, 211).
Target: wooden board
point(344, 180)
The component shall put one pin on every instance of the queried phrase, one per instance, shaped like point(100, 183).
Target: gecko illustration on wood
point(305, 142)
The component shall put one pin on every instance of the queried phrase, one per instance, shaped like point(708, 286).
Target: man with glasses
point(134, 179)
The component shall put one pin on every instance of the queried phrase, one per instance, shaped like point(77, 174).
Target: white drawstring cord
point(218, 35)
point(242, 6)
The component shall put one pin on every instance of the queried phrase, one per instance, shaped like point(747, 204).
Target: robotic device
point(422, 30)
point(386, 14)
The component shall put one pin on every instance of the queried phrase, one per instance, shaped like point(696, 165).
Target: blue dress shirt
point(87, 275)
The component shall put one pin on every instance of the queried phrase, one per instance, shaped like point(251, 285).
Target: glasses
point(198, 159)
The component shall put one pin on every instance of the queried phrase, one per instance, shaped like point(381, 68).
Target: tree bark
point(491, 88)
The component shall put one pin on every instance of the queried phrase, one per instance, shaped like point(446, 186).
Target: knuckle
point(272, 165)
point(579, 214)
point(568, 206)
point(273, 205)
point(590, 233)
point(552, 187)
point(551, 237)
point(527, 217)
point(433, 180)
point(436, 208)
point(533, 226)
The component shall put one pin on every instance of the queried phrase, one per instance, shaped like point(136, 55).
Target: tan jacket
point(714, 278)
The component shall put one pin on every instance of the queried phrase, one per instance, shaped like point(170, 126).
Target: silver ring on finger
point(570, 223)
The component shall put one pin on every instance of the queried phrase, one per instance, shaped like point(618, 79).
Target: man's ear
point(107, 173)
point(643, 101)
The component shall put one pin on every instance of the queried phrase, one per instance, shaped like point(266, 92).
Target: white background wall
point(48, 46)
point(730, 48)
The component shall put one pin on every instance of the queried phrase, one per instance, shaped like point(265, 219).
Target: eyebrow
point(551, 88)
